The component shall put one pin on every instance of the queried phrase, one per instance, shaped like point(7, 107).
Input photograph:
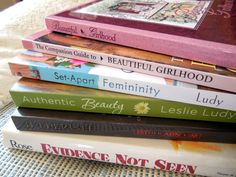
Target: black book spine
point(124, 129)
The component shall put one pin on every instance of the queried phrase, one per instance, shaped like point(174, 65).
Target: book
point(33, 93)
point(118, 50)
point(111, 79)
point(195, 158)
point(42, 120)
point(125, 58)
point(198, 30)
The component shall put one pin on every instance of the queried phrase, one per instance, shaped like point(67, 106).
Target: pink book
point(201, 30)
point(127, 58)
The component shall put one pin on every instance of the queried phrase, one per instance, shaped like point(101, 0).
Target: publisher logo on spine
point(95, 33)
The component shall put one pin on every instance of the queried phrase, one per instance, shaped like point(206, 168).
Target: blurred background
point(6, 3)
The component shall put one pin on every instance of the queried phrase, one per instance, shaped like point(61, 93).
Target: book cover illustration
point(130, 59)
point(33, 93)
point(187, 14)
point(199, 19)
point(46, 67)
point(195, 158)
point(200, 30)
point(27, 119)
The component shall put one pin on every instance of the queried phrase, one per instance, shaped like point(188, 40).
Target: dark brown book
point(124, 126)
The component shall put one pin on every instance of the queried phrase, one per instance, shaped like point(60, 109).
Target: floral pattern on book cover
point(182, 13)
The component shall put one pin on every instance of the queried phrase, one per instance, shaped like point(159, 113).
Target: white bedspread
point(16, 22)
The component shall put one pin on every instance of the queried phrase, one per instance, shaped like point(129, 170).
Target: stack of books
point(143, 83)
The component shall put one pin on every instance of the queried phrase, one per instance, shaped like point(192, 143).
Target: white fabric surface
point(16, 22)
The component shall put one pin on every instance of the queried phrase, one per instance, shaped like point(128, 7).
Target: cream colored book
point(195, 158)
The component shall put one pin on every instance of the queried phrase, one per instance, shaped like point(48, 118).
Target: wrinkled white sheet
point(16, 22)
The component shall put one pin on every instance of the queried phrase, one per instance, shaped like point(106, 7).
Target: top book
point(201, 30)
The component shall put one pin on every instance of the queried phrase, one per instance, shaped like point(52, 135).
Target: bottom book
point(202, 158)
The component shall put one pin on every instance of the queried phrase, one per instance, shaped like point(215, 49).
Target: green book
point(47, 95)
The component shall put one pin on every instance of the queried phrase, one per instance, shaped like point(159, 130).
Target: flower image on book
point(202, 30)
point(141, 108)
point(142, 83)
point(184, 13)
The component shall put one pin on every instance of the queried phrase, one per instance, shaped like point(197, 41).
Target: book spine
point(136, 64)
point(221, 100)
point(122, 129)
point(125, 106)
point(87, 147)
point(199, 50)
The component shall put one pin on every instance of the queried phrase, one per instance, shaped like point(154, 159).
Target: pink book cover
point(201, 30)
point(126, 58)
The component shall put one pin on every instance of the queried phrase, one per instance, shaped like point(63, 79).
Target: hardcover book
point(195, 158)
point(48, 95)
point(42, 120)
point(203, 30)
point(127, 58)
